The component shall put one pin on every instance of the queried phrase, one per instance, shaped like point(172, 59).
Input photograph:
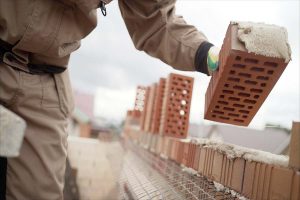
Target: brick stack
point(244, 80)
point(165, 107)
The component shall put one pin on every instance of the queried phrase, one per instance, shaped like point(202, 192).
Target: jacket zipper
point(103, 8)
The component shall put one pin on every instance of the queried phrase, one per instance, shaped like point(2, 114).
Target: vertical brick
point(150, 108)
point(176, 106)
point(192, 151)
point(249, 179)
point(197, 156)
point(224, 168)
point(180, 152)
point(170, 146)
point(154, 141)
point(257, 175)
point(158, 103)
point(294, 149)
point(185, 154)
point(267, 181)
point(281, 183)
point(217, 166)
point(296, 186)
point(144, 112)
point(244, 80)
point(202, 159)
point(174, 149)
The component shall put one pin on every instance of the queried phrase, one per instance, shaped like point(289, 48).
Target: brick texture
point(146, 100)
point(158, 102)
point(150, 107)
point(176, 106)
point(244, 80)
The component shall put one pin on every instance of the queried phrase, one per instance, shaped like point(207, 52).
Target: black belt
point(33, 68)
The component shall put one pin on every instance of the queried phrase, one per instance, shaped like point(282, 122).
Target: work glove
point(213, 59)
point(207, 58)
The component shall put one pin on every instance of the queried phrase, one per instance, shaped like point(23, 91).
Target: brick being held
point(246, 74)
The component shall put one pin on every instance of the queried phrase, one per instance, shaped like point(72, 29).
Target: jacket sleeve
point(155, 29)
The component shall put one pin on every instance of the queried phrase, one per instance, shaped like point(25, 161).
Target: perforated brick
point(244, 80)
point(176, 106)
point(146, 99)
point(158, 102)
point(140, 98)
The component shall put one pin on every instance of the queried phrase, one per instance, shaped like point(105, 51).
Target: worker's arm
point(155, 29)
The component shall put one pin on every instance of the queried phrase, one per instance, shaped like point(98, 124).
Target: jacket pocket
point(64, 91)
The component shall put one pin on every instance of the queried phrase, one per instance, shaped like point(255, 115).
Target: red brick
point(281, 183)
point(154, 142)
point(192, 151)
point(185, 154)
point(197, 156)
point(158, 102)
point(170, 146)
point(296, 186)
point(223, 171)
point(217, 166)
point(202, 161)
point(140, 98)
point(180, 149)
point(294, 149)
point(249, 179)
point(244, 80)
point(146, 100)
point(150, 107)
point(267, 179)
point(174, 149)
point(176, 106)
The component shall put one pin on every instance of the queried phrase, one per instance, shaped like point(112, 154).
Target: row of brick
point(164, 107)
point(254, 180)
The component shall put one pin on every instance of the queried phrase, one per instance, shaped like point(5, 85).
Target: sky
point(108, 66)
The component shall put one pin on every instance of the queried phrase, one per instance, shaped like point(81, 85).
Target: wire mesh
point(148, 176)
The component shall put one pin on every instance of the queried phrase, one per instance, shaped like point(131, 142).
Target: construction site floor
point(118, 170)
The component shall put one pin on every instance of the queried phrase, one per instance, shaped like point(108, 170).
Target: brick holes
point(264, 78)
point(251, 60)
point(238, 89)
point(271, 64)
point(176, 106)
point(234, 79)
point(238, 58)
point(250, 82)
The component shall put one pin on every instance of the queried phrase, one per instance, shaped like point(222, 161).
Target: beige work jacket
point(48, 31)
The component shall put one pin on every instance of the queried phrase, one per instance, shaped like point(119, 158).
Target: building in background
point(274, 140)
point(84, 102)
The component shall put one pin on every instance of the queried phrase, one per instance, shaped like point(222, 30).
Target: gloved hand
point(213, 59)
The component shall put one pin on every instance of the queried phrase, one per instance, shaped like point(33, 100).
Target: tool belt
point(33, 68)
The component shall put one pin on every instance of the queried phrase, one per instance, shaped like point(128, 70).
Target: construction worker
point(37, 38)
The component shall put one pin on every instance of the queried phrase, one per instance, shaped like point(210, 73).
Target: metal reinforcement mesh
point(148, 176)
